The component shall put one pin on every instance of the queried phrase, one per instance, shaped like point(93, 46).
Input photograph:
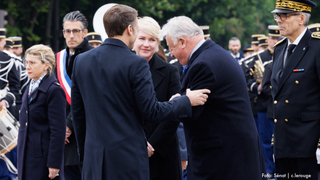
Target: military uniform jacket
point(260, 100)
point(221, 135)
point(296, 98)
point(13, 78)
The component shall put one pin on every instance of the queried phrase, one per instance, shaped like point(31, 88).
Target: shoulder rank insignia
point(315, 35)
point(279, 42)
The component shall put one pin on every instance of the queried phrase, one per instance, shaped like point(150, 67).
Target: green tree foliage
point(34, 20)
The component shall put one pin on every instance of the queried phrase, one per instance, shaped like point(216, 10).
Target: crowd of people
point(125, 108)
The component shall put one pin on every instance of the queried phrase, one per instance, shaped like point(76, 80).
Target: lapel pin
point(298, 70)
point(304, 48)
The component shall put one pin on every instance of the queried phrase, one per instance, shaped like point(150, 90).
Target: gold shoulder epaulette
point(279, 42)
point(315, 35)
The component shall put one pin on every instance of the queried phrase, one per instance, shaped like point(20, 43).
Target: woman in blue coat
point(42, 119)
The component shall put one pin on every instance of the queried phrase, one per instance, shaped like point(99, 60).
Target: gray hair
point(234, 39)
point(181, 26)
point(307, 15)
point(76, 16)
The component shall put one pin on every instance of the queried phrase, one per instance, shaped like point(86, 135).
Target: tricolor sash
point(63, 77)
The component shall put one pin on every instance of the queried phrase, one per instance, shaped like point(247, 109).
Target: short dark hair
point(76, 16)
point(118, 18)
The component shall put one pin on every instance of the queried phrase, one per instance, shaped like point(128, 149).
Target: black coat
point(222, 138)
point(165, 162)
point(42, 131)
point(296, 98)
point(112, 93)
point(70, 155)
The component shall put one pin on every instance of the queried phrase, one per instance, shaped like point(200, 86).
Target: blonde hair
point(151, 27)
point(44, 53)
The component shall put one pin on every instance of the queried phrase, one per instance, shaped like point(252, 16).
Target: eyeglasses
point(283, 17)
point(74, 31)
point(30, 63)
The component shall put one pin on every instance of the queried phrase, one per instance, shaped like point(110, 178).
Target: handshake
point(196, 97)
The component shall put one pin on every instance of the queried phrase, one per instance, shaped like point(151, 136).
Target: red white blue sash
point(63, 77)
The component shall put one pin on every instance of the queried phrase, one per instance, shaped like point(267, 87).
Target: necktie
point(290, 48)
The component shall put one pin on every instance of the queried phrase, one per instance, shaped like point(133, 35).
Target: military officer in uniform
point(255, 42)
point(244, 63)
point(256, 69)
point(9, 81)
point(94, 39)
point(17, 46)
point(263, 43)
point(296, 91)
point(248, 50)
point(8, 46)
point(206, 32)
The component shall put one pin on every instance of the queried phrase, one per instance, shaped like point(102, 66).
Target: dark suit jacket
point(222, 138)
point(112, 92)
point(296, 98)
point(70, 153)
point(42, 131)
point(165, 162)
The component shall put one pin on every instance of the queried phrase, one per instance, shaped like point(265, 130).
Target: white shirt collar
point(71, 53)
point(197, 47)
point(296, 42)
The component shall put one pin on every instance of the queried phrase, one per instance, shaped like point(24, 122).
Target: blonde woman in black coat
point(164, 161)
point(42, 119)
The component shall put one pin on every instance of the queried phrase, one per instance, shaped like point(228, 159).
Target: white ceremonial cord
point(9, 164)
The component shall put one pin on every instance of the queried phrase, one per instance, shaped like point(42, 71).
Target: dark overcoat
point(222, 138)
point(42, 131)
point(70, 153)
point(165, 162)
point(112, 93)
point(296, 98)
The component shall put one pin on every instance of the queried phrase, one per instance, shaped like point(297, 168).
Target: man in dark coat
point(222, 139)
point(74, 31)
point(112, 93)
point(295, 90)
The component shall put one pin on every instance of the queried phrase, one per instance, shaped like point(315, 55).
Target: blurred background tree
point(40, 21)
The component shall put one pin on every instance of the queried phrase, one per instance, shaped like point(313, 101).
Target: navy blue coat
point(296, 98)
point(112, 93)
point(42, 131)
point(222, 138)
